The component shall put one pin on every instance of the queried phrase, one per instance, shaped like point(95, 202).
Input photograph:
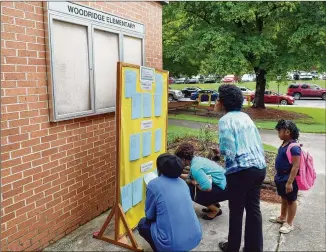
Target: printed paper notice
point(147, 143)
point(146, 167)
point(136, 106)
point(149, 177)
point(130, 83)
point(158, 84)
point(158, 104)
point(147, 73)
point(134, 147)
point(126, 197)
point(146, 85)
point(147, 105)
point(137, 191)
point(158, 140)
point(147, 124)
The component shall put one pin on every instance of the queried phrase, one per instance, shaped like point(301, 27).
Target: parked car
point(275, 98)
point(246, 91)
point(171, 80)
point(314, 74)
point(305, 76)
point(181, 81)
point(248, 77)
point(230, 79)
point(187, 91)
point(212, 79)
point(194, 80)
point(175, 95)
point(306, 90)
point(322, 76)
point(205, 95)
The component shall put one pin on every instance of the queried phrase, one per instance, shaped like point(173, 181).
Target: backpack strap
point(288, 151)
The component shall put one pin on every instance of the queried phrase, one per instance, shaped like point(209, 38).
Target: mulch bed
point(268, 192)
point(270, 114)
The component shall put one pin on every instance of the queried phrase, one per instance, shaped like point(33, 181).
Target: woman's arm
point(201, 180)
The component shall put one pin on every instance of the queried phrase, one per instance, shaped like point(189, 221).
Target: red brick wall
point(54, 176)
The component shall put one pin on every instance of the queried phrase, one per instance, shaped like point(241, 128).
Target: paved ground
point(309, 233)
point(309, 103)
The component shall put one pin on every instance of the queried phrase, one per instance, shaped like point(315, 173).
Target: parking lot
point(309, 103)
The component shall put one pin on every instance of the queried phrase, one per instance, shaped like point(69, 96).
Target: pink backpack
point(307, 174)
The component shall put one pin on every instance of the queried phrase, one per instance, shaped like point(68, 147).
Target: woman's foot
point(286, 228)
point(207, 210)
point(212, 215)
point(275, 219)
point(223, 246)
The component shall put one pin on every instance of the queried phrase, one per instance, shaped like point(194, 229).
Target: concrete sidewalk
point(309, 233)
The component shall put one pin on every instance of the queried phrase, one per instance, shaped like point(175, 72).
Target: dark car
point(204, 95)
point(187, 91)
point(306, 90)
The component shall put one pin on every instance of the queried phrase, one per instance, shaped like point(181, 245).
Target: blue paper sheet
point(134, 147)
point(158, 104)
point(147, 105)
point(126, 197)
point(158, 140)
point(158, 84)
point(130, 83)
point(137, 191)
point(136, 106)
point(147, 143)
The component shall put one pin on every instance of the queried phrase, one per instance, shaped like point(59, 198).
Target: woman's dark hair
point(231, 97)
point(288, 125)
point(185, 151)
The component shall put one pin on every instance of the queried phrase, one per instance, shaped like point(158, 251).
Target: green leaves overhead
point(235, 37)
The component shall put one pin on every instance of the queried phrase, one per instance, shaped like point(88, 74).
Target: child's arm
point(295, 154)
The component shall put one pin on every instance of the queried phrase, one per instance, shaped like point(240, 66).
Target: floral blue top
point(240, 142)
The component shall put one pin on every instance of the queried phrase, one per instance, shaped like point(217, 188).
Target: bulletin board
point(141, 116)
point(143, 134)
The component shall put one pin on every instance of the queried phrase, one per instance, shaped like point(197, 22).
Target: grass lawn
point(272, 85)
point(315, 124)
point(175, 132)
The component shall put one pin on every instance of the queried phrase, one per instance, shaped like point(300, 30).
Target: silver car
point(175, 95)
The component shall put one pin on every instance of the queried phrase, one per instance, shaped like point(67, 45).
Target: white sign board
point(146, 85)
point(95, 15)
point(147, 124)
point(147, 73)
point(146, 167)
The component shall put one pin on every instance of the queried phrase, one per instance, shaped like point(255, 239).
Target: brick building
point(57, 153)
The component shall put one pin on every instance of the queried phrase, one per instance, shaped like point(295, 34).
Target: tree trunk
point(260, 88)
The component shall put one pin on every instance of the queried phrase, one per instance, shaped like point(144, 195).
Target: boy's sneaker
point(286, 228)
point(275, 219)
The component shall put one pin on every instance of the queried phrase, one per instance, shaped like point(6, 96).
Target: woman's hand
point(288, 187)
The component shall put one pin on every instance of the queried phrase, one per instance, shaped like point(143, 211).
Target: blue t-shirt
point(282, 164)
point(175, 225)
point(201, 167)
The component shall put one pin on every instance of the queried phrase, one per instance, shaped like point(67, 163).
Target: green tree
point(268, 38)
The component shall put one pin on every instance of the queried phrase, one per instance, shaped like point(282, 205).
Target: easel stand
point(117, 210)
point(118, 213)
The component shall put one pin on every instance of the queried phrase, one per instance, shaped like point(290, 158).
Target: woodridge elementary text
point(100, 17)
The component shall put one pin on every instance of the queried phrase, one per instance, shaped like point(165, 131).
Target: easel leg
point(118, 212)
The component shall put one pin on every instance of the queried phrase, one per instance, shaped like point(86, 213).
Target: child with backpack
point(294, 172)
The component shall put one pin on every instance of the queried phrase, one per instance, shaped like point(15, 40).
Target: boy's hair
point(169, 165)
point(185, 151)
point(231, 97)
point(288, 125)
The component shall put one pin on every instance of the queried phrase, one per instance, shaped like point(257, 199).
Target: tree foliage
point(268, 38)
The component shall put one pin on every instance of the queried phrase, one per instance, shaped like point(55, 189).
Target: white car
point(246, 91)
point(305, 76)
point(248, 78)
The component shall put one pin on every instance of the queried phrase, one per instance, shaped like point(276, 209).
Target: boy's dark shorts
point(292, 196)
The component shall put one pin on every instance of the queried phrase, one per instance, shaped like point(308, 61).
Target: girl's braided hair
point(288, 125)
point(185, 151)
